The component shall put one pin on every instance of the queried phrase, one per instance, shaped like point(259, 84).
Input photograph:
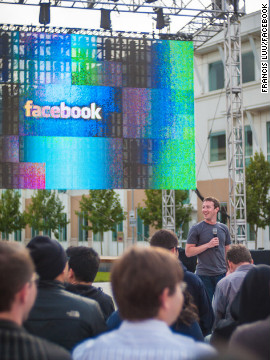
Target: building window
point(250, 233)
point(34, 232)
point(82, 221)
point(97, 237)
point(117, 229)
point(47, 232)
point(248, 144)
point(216, 75)
point(218, 146)
point(268, 140)
point(248, 68)
point(142, 230)
point(62, 230)
point(18, 235)
point(5, 236)
point(222, 214)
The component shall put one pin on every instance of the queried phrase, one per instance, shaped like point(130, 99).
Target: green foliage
point(152, 212)
point(257, 188)
point(11, 218)
point(102, 210)
point(45, 213)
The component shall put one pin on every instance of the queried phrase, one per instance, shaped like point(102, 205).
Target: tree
point(102, 211)
point(152, 212)
point(257, 193)
point(11, 218)
point(45, 213)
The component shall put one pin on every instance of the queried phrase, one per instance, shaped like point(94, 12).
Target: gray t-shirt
point(211, 262)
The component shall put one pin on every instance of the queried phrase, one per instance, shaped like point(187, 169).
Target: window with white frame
point(248, 144)
point(62, 230)
point(216, 75)
point(142, 229)
point(218, 146)
point(82, 233)
point(248, 67)
point(222, 214)
point(117, 228)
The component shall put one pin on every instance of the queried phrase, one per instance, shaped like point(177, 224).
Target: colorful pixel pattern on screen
point(93, 112)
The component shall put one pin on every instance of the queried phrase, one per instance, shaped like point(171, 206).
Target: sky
point(90, 19)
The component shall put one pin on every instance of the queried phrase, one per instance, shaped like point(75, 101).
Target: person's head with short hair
point(17, 288)
point(165, 239)
point(83, 264)
point(146, 284)
point(49, 257)
point(213, 200)
point(210, 209)
point(237, 255)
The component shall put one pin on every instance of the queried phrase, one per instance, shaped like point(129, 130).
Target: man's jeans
point(210, 283)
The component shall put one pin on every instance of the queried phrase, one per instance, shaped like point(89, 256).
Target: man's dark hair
point(84, 261)
point(238, 253)
point(165, 239)
point(213, 200)
point(16, 269)
point(138, 279)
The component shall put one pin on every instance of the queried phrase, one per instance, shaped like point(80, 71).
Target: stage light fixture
point(160, 19)
point(150, 1)
point(105, 21)
point(90, 4)
point(44, 13)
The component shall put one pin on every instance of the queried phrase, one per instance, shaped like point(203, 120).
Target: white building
point(210, 113)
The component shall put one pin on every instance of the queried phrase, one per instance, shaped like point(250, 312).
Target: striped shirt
point(17, 344)
point(147, 340)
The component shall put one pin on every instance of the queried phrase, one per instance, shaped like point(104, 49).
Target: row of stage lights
point(105, 20)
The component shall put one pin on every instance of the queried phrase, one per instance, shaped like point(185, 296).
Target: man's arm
point(192, 249)
point(226, 249)
point(219, 304)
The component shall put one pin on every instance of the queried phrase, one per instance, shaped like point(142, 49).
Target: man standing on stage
point(209, 240)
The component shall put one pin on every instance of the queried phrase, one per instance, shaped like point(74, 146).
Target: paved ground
point(106, 286)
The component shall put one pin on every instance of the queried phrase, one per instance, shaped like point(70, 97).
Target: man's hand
point(213, 242)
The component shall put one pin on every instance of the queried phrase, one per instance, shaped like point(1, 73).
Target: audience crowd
point(51, 309)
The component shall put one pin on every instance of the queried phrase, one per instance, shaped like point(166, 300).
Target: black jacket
point(105, 301)
point(62, 317)
point(17, 344)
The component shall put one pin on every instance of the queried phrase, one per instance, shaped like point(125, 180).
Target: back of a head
point(239, 253)
point(48, 255)
point(165, 239)
point(252, 301)
point(138, 279)
point(84, 262)
point(16, 269)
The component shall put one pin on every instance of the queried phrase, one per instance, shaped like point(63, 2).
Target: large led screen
point(93, 112)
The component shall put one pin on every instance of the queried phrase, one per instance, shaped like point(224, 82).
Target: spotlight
point(150, 1)
point(160, 19)
point(105, 21)
point(90, 4)
point(44, 13)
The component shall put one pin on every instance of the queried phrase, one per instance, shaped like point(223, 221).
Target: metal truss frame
point(168, 209)
point(235, 130)
point(206, 20)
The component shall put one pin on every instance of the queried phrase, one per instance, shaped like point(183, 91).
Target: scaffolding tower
point(235, 130)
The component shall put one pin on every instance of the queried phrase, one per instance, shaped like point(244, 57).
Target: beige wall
point(218, 188)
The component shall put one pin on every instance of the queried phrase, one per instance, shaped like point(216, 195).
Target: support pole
point(235, 130)
point(168, 209)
